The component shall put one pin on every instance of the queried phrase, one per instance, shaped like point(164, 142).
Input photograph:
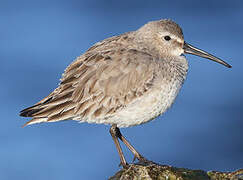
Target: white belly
point(146, 108)
point(155, 101)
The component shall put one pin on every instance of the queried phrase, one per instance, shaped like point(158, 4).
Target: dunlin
point(122, 81)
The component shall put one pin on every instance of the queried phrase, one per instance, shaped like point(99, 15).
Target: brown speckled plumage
point(123, 81)
point(107, 78)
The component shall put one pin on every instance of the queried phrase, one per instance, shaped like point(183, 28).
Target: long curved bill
point(189, 49)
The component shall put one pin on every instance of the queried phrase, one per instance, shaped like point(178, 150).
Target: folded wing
point(96, 85)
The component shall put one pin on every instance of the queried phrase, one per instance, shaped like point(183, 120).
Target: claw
point(125, 166)
point(140, 158)
point(143, 160)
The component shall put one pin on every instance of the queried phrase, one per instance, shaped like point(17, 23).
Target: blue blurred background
point(38, 39)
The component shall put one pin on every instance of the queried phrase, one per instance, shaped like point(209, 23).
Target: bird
point(122, 81)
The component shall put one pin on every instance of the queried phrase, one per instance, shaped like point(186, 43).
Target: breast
point(156, 101)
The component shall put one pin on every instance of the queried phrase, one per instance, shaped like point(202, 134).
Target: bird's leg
point(132, 149)
point(114, 135)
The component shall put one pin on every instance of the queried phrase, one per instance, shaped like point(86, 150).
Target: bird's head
point(166, 37)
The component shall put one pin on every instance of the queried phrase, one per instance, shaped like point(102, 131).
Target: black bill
point(189, 49)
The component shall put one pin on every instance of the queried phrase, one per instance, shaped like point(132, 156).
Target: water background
point(38, 39)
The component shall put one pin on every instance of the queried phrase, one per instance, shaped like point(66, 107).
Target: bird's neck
point(178, 65)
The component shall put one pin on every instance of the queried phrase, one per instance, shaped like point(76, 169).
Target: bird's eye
point(167, 38)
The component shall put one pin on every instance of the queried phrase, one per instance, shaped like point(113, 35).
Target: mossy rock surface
point(154, 171)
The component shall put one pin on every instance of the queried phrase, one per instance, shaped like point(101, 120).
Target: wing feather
point(96, 85)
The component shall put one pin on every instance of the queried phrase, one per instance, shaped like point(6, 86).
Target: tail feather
point(55, 108)
point(35, 120)
point(28, 112)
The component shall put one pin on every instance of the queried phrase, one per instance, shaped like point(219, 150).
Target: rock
point(152, 171)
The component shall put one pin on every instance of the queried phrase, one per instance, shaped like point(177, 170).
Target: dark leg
point(114, 134)
point(134, 151)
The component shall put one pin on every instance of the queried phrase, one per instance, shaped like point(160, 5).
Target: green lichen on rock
point(154, 171)
point(236, 175)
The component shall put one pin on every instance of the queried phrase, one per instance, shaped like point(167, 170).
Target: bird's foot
point(141, 159)
point(125, 166)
